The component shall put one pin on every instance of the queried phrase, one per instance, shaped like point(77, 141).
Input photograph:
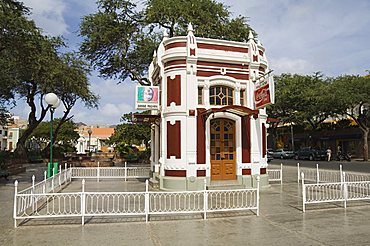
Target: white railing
point(329, 176)
point(88, 204)
point(276, 174)
point(334, 192)
point(53, 183)
point(110, 172)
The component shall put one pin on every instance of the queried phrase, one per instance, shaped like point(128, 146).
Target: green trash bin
point(55, 167)
point(52, 166)
point(49, 171)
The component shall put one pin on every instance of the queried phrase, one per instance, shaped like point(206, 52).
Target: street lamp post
point(89, 132)
point(53, 102)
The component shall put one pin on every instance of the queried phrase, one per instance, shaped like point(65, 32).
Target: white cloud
point(112, 110)
point(289, 65)
point(48, 15)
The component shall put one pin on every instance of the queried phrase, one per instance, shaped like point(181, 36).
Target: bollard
point(298, 173)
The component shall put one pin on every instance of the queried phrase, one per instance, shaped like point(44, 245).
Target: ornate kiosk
point(210, 122)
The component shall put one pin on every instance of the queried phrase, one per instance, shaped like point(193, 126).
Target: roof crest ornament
point(190, 27)
point(250, 36)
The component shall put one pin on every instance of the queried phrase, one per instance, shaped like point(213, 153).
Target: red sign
point(262, 93)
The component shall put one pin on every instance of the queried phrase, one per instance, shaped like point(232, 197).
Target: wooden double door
point(222, 149)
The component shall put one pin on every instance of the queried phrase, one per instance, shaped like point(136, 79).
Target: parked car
point(269, 157)
point(310, 153)
point(283, 154)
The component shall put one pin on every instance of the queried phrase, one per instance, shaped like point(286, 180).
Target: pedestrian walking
point(328, 153)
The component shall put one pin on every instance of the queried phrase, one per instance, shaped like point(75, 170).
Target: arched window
point(221, 95)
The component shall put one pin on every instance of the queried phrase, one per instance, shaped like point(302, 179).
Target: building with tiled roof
point(94, 139)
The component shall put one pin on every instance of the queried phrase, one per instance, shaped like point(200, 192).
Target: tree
point(73, 87)
point(31, 66)
point(129, 133)
point(350, 96)
point(299, 99)
point(67, 134)
point(120, 39)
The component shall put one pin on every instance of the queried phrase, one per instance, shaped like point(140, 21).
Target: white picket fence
point(94, 204)
point(110, 172)
point(329, 176)
point(276, 174)
point(45, 202)
point(342, 191)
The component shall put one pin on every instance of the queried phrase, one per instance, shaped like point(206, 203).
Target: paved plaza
point(281, 221)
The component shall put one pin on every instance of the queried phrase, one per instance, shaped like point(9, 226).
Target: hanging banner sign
point(264, 93)
point(147, 97)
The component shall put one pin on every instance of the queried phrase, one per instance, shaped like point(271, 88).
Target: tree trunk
point(365, 134)
point(21, 151)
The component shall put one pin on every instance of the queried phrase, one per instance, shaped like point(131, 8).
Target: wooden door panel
point(216, 171)
point(222, 149)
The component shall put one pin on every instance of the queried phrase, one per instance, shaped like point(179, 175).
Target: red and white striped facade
point(186, 69)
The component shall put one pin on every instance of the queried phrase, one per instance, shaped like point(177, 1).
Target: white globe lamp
point(51, 99)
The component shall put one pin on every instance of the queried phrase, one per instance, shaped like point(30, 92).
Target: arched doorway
point(222, 149)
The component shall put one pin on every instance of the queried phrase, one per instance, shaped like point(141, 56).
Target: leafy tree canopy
point(67, 133)
point(120, 38)
point(31, 66)
point(300, 99)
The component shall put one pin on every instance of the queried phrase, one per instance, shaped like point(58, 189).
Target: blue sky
point(332, 36)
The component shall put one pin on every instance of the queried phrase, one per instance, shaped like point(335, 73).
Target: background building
point(94, 139)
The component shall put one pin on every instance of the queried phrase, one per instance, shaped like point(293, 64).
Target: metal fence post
point(281, 173)
point(70, 173)
point(33, 192)
point(345, 191)
point(65, 172)
point(303, 193)
point(298, 173)
point(44, 186)
point(33, 182)
point(83, 203)
point(98, 172)
point(52, 181)
point(317, 174)
point(15, 203)
point(258, 195)
point(205, 200)
point(60, 172)
point(341, 172)
point(125, 170)
point(146, 200)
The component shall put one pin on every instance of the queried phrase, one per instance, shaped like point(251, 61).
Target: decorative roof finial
point(165, 34)
point(250, 36)
point(190, 27)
